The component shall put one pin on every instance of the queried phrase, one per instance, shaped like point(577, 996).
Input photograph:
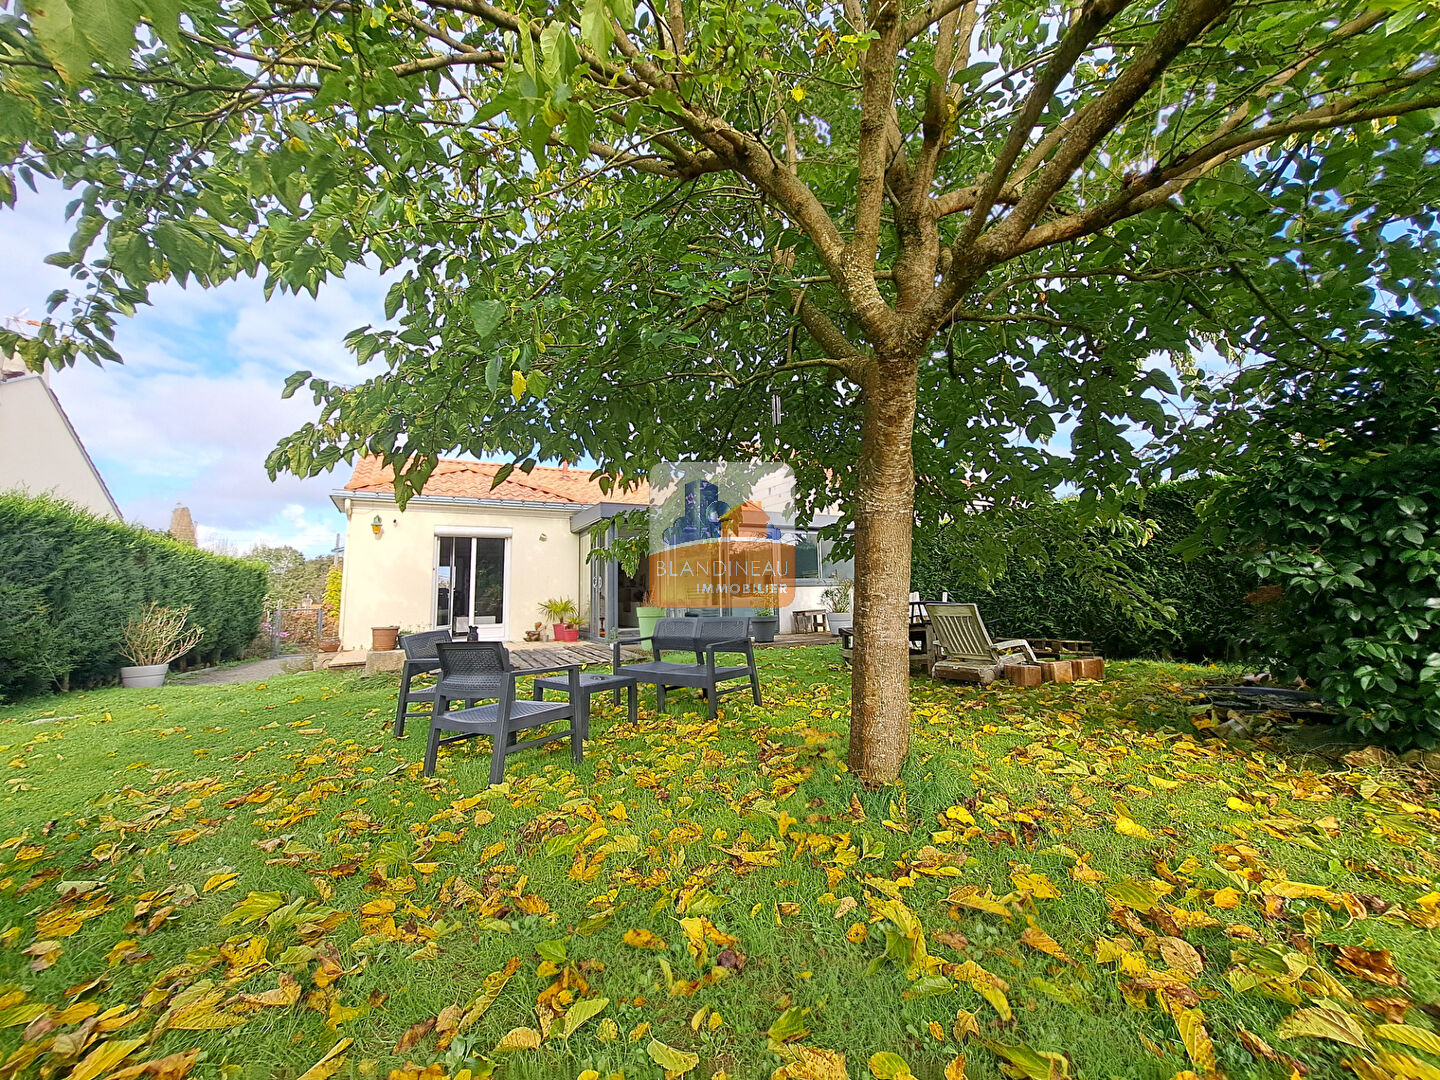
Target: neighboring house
point(40, 453)
point(462, 554)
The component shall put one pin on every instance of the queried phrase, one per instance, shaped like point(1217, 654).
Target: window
point(816, 562)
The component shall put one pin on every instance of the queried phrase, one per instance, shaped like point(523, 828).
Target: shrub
point(69, 582)
point(1337, 502)
point(1131, 593)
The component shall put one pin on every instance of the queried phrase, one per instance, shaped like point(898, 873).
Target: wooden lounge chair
point(961, 648)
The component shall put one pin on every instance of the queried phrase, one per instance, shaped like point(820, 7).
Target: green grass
point(297, 789)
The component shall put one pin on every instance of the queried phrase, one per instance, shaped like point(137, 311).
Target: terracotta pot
point(384, 638)
point(330, 645)
point(566, 633)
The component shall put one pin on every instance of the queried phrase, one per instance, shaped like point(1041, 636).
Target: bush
point(1131, 599)
point(69, 582)
point(1337, 503)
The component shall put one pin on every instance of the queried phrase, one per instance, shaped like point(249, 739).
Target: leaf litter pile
point(1073, 881)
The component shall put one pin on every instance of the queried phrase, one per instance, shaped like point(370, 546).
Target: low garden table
point(593, 683)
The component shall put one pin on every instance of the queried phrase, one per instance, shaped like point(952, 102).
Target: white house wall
point(390, 579)
point(40, 453)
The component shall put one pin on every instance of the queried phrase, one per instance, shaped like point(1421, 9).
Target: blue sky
point(196, 407)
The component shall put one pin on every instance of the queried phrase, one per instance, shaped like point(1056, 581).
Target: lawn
point(255, 881)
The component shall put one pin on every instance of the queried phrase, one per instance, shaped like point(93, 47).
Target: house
point(40, 452)
point(464, 554)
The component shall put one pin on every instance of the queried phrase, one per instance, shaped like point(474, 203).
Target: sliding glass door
point(471, 587)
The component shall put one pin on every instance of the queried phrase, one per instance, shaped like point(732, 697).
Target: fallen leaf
point(888, 1066)
point(1039, 940)
point(1198, 1044)
point(1322, 1023)
point(330, 1064)
point(521, 1038)
point(413, 1035)
point(643, 939)
point(1374, 965)
point(674, 1061)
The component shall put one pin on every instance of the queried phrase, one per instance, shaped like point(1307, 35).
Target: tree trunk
point(884, 520)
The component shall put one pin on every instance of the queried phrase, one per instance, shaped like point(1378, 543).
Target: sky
point(190, 416)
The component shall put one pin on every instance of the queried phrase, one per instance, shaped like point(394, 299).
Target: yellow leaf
point(1198, 1044)
point(330, 1064)
point(1040, 940)
point(965, 1025)
point(811, 1063)
point(1323, 1023)
point(104, 1058)
point(1419, 1038)
point(1227, 899)
point(521, 1038)
point(956, 1069)
point(517, 384)
point(888, 1066)
point(643, 939)
point(1130, 827)
point(219, 882)
point(674, 1061)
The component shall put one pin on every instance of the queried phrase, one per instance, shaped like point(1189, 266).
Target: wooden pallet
point(1056, 648)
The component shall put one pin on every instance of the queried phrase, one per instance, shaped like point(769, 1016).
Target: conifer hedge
point(69, 580)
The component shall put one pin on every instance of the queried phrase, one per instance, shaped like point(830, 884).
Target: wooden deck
point(560, 653)
point(796, 641)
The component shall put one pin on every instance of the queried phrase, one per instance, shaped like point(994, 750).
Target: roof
point(453, 479)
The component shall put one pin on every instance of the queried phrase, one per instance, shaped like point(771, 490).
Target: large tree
point(806, 228)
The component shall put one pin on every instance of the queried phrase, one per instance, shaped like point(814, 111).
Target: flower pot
point(384, 638)
point(330, 645)
point(146, 676)
point(835, 621)
point(566, 633)
point(763, 628)
point(647, 617)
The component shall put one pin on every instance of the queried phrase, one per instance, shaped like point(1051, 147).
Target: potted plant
point(153, 637)
point(560, 614)
point(837, 599)
point(570, 629)
point(646, 616)
point(384, 638)
point(764, 624)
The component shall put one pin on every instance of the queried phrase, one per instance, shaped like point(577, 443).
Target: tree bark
point(884, 521)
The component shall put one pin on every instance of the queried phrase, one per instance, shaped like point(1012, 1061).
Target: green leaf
point(109, 27)
point(553, 950)
point(486, 316)
point(293, 383)
point(580, 1012)
point(60, 38)
point(595, 26)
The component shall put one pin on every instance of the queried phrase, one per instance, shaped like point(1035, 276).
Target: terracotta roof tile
point(473, 480)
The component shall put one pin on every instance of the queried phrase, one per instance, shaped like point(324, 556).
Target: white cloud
point(192, 413)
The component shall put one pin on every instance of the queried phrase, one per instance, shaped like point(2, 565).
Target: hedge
point(69, 580)
point(1207, 592)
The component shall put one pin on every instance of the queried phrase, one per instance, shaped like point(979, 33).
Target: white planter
point(835, 621)
point(144, 677)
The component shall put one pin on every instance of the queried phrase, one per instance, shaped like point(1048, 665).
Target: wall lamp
point(376, 524)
